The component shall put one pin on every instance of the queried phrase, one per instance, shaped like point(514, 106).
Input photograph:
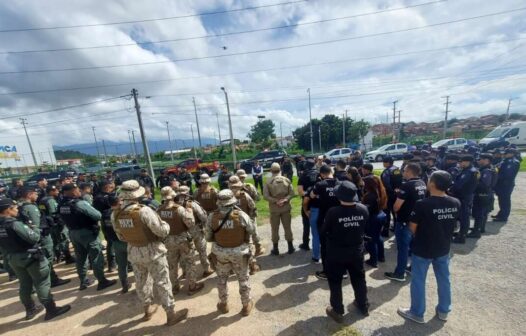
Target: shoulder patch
point(396, 172)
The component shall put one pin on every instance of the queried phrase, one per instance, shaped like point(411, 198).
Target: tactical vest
point(43, 225)
point(207, 199)
point(9, 239)
point(168, 213)
point(74, 219)
point(243, 203)
point(251, 191)
point(232, 234)
point(279, 186)
point(129, 225)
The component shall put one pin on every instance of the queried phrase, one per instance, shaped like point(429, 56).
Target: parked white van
point(513, 133)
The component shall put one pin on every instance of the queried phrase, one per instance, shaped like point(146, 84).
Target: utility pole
point(232, 144)
point(197, 123)
point(105, 153)
point(444, 134)
point(399, 125)
point(170, 142)
point(193, 140)
point(218, 128)
point(319, 136)
point(394, 120)
point(310, 124)
point(131, 143)
point(344, 127)
point(143, 136)
point(508, 109)
point(24, 121)
point(96, 143)
point(281, 131)
point(135, 145)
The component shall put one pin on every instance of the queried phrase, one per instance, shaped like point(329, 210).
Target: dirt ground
point(489, 297)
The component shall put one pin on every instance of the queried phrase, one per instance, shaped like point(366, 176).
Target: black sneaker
point(408, 270)
point(345, 276)
point(105, 284)
point(459, 239)
point(321, 275)
point(304, 247)
point(395, 277)
point(334, 315)
point(315, 260)
point(85, 284)
point(59, 282)
point(370, 263)
point(363, 309)
point(381, 259)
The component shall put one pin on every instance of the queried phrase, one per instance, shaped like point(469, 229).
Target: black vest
point(74, 219)
point(10, 241)
point(44, 224)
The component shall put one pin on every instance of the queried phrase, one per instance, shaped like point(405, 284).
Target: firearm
point(36, 253)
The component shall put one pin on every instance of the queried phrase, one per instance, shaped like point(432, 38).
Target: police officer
point(508, 169)
point(484, 197)
point(451, 165)
point(148, 200)
point(41, 187)
point(143, 230)
point(146, 181)
point(343, 228)
point(278, 191)
point(441, 157)
point(223, 177)
point(391, 179)
point(16, 185)
point(309, 215)
point(103, 202)
point(86, 192)
point(82, 222)
point(463, 189)
point(94, 181)
point(248, 187)
point(20, 241)
point(430, 168)
point(229, 230)
point(206, 194)
point(185, 178)
point(287, 169)
point(340, 173)
point(178, 243)
point(163, 180)
point(4, 189)
point(30, 214)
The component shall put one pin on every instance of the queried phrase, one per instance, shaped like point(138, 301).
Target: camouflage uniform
point(231, 258)
point(276, 188)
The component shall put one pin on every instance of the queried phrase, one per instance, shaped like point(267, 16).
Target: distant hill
point(123, 148)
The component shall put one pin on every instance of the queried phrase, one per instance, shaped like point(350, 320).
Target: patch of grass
point(523, 166)
point(347, 331)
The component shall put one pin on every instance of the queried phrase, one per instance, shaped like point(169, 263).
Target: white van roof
point(513, 124)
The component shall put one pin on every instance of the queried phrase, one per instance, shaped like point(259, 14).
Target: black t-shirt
point(436, 218)
point(410, 191)
point(313, 202)
point(308, 178)
point(370, 200)
point(344, 228)
point(326, 195)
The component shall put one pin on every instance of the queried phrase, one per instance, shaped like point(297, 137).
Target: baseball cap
point(6, 203)
point(69, 187)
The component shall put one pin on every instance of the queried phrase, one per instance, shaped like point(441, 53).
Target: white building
point(15, 152)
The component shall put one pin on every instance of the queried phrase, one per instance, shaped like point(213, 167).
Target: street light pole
point(96, 143)
point(232, 144)
point(310, 123)
point(143, 136)
point(135, 145)
point(193, 140)
point(170, 143)
point(197, 124)
point(131, 143)
point(23, 121)
point(218, 128)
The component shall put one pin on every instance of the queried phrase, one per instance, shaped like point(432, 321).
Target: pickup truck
point(195, 167)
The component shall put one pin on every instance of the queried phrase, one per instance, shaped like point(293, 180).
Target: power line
point(153, 19)
point(299, 24)
point(261, 50)
point(255, 71)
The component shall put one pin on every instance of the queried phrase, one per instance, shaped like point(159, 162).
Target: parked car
point(51, 177)
point(511, 133)
point(396, 151)
point(195, 167)
point(126, 173)
point(339, 153)
point(265, 158)
point(452, 144)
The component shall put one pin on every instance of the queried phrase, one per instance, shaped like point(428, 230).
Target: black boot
point(275, 249)
point(475, 232)
point(59, 282)
point(125, 287)
point(105, 284)
point(291, 247)
point(68, 258)
point(32, 310)
point(53, 311)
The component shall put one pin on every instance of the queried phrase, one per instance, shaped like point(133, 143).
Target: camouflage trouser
point(239, 264)
point(150, 274)
point(255, 235)
point(180, 250)
point(200, 245)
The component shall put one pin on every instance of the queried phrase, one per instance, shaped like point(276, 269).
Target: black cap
point(6, 203)
point(467, 158)
point(69, 186)
point(50, 188)
point(408, 156)
point(346, 191)
point(27, 189)
point(452, 157)
point(388, 159)
point(485, 156)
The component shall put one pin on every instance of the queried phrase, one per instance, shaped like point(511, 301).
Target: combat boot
point(53, 311)
point(259, 249)
point(59, 282)
point(247, 308)
point(291, 247)
point(176, 289)
point(32, 310)
point(475, 232)
point(197, 287)
point(149, 310)
point(275, 249)
point(254, 268)
point(105, 284)
point(125, 287)
point(223, 307)
point(208, 272)
point(68, 258)
point(174, 317)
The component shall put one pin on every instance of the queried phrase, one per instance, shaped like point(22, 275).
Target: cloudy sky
point(358, 55)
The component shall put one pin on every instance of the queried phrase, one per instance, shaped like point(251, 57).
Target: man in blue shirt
point(508, 169)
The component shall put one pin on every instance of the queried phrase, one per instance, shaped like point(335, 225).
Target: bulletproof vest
point(231, 234)
point(279, 186)
point(46, 217)
point(207, 199)
point(43, 225)
point(74, 219)
point(133, 230)
point(252, 192)
point(9, 239)
point(312, 175)
point(243, 203)
point(168, 213)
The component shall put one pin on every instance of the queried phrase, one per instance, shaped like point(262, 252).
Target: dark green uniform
point(59, 233)
point(30, 214)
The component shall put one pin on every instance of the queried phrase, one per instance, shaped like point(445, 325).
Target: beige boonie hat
point(204, 178)
point(241, 173)
point(226, 198)
point(183, 190)
point(167, 193)
point(131, 190)
point(235, 182)
point(275, 167)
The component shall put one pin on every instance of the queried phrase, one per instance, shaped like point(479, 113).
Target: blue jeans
point(403, 241)
point(375, 246)
point(419, 267)
point(314, 212)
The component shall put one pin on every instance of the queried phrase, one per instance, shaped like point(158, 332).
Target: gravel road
point(489, 297)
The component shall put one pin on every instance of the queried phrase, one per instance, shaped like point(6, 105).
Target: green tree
point(262, 131)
